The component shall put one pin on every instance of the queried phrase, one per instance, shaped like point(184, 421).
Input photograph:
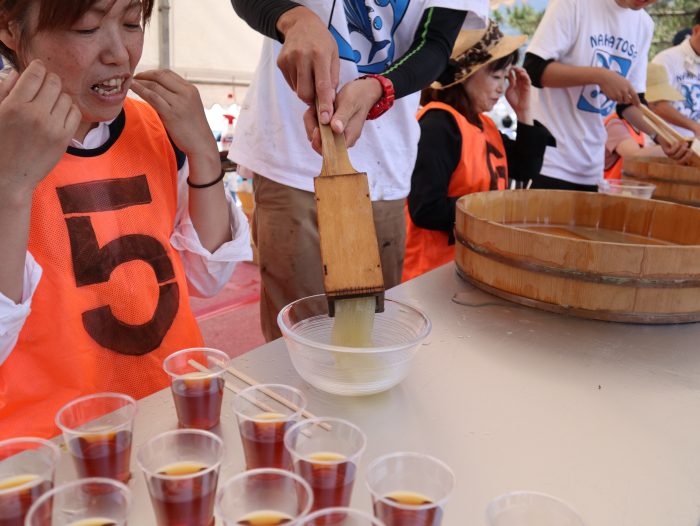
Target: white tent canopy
point(208, 44)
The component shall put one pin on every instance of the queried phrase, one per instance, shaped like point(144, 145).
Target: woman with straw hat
point(461, 150)
point(624, 141)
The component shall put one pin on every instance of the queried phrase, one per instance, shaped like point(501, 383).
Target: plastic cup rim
point(412, 454)
point(262, 471)
point(321, 420)
point(257, 387)
point(518, 493)
point(340, 509)
point(78, 482)
point(152, 473)
point(221, 370)
point(288, 332)
point(131, 403)
point(55, 455)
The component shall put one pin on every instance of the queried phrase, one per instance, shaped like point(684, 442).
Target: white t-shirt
point(683, 66)
point(585, 33)
point(270, 138)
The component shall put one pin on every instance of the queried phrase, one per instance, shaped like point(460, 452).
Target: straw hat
point(658, 87)
point(473, 50)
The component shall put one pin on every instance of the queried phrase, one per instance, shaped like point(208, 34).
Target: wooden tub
point(591, 255)
point(674, 182)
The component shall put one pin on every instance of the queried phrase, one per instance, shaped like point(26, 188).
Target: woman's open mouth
point(110, 87)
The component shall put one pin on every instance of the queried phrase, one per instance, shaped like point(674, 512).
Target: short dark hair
point(53, 14)
point(696, 18)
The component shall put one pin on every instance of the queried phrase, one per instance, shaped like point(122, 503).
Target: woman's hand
point(180, 108)
point(37, 123)
point(518, 94)
point(352, 104)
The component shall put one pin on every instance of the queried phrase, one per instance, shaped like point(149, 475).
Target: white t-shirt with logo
point(585, 33)
point(270, 138)
point(683, 66)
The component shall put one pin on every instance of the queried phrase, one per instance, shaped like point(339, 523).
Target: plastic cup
point(528, 508)
point(27, 467)
point(340, 517)
point(326, 452)
point(263, 421)
point(197, 394)
point(409, 489)
point(98, 432)
point(182, 471)
point(93, 501)
point(264, 497)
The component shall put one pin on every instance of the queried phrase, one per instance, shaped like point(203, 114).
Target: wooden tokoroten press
point(348, 239)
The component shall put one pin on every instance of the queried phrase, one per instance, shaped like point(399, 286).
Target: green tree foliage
point(669, 16)
point(524, 19)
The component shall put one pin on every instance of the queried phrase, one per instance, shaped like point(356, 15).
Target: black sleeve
point(439, 152)
point(429, 53)
point(526, 152)
point(535, 66)
point(620, 108)
point(262, 15)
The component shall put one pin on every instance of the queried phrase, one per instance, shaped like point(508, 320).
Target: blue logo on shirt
point(691, 94)
point(371, 28)
point(592, 99)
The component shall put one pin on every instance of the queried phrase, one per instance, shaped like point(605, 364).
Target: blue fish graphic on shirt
point(592, 99)
point(371, 28)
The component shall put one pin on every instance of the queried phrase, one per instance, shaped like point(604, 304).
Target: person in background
point(113, 210)
point(461, 150)
point(377, 57)
point(681, 35)
point(682, 62)
point(624, 141)
point(586, 58)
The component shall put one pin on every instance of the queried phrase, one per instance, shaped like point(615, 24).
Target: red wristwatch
point(387, 99)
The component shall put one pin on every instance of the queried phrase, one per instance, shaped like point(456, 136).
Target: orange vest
point(482, 166)
point(615, 171)
point(112, 301)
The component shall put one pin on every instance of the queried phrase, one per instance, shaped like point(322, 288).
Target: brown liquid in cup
point(395, 516)
point(186, 501)
point(106, 455)
point(15, 504)
point(263, 442)
point(198, 400)
point(332, 482)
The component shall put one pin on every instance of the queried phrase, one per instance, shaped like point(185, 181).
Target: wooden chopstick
point(231, 387)
point(660, 127)
point(282, 400)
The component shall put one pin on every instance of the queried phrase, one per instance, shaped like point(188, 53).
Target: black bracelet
point(205, 185)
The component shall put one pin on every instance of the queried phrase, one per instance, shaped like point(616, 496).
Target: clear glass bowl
point(626, 188)
point(398, 333)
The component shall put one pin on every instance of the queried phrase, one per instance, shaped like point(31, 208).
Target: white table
point(605, 416)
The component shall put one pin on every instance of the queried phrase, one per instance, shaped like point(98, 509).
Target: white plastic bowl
point(626, 188)
point(397, 335)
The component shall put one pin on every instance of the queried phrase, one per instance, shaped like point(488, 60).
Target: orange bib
point(482, 166)
point(112, 301)
point(615, 171)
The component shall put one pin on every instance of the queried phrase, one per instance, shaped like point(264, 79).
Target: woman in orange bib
point(461, 149)
point(112, 210)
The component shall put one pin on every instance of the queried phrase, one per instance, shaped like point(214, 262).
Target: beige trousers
point(286, 234)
